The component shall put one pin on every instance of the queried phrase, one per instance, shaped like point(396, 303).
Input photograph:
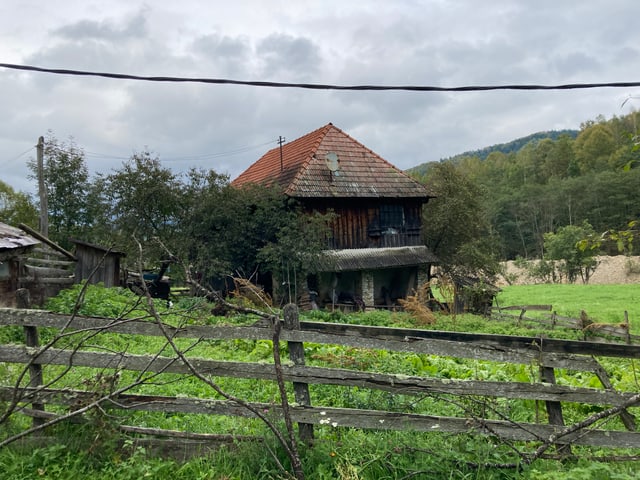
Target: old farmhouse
point(375, 254)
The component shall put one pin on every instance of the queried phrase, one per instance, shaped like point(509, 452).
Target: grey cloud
point(577, 64)
point(293, 57)
point(109, 30)
point(223, 54)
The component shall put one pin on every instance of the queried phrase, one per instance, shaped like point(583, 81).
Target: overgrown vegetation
point(338, 452)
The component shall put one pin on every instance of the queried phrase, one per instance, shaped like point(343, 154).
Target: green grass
point(602, 303)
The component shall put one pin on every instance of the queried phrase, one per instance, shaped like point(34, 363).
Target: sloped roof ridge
point(301, 172)
point(320, 134)
point(298, 160)
point(372, 152)
point(298, 169)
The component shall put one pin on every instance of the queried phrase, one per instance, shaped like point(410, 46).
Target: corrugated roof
point(11, 237)
point(375, 258)
point(303, 171)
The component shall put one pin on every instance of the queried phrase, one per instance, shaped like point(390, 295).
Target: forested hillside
point(510, 147)
point(548, 183)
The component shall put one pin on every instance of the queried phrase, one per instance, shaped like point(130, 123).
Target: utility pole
point(42, 190)
point(281, 140)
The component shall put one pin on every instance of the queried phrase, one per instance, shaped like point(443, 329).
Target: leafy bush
point(97, 301)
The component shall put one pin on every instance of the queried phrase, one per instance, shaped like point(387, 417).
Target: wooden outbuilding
point(98, 264)
point(31, 261)
point(14, 245)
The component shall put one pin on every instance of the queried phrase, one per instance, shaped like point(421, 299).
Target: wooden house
point(375, 254)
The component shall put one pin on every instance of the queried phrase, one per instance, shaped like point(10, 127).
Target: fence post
point(296, 355)
point(627, 327)
point(23, 300)
point(554, 408)
point(628, 420)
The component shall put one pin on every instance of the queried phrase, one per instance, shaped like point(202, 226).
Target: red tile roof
point(303, 171)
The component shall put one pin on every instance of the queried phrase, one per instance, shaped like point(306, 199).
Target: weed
point(632, 266)
point(417, 305)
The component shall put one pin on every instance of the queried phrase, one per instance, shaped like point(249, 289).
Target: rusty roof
point(11, 237)
point(375, 258)
point(305, 169)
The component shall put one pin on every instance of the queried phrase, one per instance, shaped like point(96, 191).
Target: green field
point(603, 303)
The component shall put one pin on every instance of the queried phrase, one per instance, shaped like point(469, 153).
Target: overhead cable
point(319, 86)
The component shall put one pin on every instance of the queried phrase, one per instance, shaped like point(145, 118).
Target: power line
point(202, 156)
point(208, 156)
point(11, 160)
point(318, 86)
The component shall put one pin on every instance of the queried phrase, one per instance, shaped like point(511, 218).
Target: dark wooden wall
point(108, 271)
point(357, 224)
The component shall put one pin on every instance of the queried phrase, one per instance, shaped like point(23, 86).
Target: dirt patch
point(610, 270)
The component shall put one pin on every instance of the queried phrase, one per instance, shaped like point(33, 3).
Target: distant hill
point(509, 147)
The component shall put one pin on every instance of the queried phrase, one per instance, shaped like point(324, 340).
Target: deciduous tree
point(16, 207)
point(66, 178)
point(457, 228)
point(574, 259)
point(142, 199)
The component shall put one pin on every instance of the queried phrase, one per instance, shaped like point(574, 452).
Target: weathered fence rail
point(546, 354)
point(595, 331)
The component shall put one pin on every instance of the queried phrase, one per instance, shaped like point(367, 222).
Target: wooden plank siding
point(357, 223)
point(97, 264)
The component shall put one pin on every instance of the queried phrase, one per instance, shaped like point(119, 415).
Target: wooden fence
point(589, 329)
point(543, 353)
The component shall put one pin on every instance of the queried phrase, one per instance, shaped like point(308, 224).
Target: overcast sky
point(226, 128)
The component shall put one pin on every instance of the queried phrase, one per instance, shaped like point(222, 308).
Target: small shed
point(14, 244)
point(97, 264)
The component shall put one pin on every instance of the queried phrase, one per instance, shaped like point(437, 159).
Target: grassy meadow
point(602, 303)
point(90, 451)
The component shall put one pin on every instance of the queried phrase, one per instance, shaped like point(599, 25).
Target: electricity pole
point(281, 140)
point(42, 190)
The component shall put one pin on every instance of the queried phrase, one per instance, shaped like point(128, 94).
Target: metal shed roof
point(11, 237)
point(376, 258)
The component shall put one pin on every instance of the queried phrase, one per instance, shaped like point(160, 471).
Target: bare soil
point(610, 270)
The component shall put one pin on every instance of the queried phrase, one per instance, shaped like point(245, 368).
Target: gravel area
point(610, 270)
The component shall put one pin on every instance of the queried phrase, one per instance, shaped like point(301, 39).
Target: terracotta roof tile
point(303, 172)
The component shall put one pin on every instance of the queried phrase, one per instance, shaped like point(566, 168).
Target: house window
point(391, 218)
